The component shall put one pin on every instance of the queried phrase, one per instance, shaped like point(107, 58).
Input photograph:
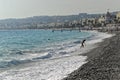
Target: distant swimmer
point(52, 30)
point(83, 43)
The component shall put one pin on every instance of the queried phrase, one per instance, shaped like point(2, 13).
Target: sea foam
point(54, 65)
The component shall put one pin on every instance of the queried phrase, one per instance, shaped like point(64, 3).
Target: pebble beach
point(103, 62)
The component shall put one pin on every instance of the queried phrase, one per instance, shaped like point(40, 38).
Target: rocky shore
point(103, 62)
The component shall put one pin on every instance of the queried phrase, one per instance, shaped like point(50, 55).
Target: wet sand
point(103, 62)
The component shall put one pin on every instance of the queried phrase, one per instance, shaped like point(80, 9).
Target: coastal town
point(82, 21)
point(108, 21)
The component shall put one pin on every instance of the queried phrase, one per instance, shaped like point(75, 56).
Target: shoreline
point(48, 69)
point(103, 62)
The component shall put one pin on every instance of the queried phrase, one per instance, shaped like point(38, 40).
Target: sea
point(43, 54)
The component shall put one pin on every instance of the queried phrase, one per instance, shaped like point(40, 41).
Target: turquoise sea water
point(22, 46)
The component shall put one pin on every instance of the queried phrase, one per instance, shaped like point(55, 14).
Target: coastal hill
point(38, 22)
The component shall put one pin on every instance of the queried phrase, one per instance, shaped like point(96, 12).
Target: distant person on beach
point(48, 39)
point(83, 43)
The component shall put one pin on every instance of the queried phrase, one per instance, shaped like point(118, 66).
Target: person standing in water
point(83, 43)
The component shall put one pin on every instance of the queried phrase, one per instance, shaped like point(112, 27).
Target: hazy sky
point(27, 8)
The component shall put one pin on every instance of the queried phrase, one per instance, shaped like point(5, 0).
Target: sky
point(29, 8)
